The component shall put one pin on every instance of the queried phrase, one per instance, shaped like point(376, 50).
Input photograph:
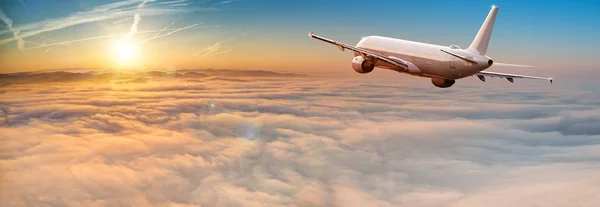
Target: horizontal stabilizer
point(512, 65)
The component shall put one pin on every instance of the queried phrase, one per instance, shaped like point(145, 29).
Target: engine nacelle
point(360, 65)
point(442, 83)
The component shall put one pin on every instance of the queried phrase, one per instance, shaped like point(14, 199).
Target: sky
point(272, 35)
point(225, 103)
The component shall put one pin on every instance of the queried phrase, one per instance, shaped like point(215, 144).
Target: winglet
point(311, 34)
point(551, 80)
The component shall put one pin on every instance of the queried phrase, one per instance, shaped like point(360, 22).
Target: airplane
point(444, 65)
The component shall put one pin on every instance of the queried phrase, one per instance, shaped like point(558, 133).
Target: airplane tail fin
point(480, 43)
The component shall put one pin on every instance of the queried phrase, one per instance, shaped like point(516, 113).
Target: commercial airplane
point(444, 65)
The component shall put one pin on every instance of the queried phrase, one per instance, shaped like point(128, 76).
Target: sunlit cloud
point(260, 138)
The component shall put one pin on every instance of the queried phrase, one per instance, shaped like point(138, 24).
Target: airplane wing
point(364, 53)
point(510, 77)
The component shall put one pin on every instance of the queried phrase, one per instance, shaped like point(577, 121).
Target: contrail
point(208, 50)
point(215, 49)
point(23, 3)
point(136, 20)
point(167, 34)
point(161, 31)
point(9, 23)
point(103, 12)
point(35, 43)
point(224, 2)
point(217, 53)
point(170, 2)
point(44, 38)
point(95, 38)
point(77, 40)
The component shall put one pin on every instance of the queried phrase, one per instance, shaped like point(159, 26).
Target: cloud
point(259, 138)
point(124, 77)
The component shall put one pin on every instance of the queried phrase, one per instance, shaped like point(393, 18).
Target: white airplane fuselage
point(429, 59)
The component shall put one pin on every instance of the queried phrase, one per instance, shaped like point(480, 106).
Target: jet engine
point(360, 65)
point(442, 83)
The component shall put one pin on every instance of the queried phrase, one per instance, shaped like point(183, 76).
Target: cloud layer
point(248, 138)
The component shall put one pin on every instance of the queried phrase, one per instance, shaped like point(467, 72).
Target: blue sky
point(550, 34)
point(538, 28)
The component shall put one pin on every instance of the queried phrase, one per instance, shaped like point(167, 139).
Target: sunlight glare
point(126, 54)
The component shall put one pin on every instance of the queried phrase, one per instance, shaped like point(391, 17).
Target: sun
point(125, 54)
